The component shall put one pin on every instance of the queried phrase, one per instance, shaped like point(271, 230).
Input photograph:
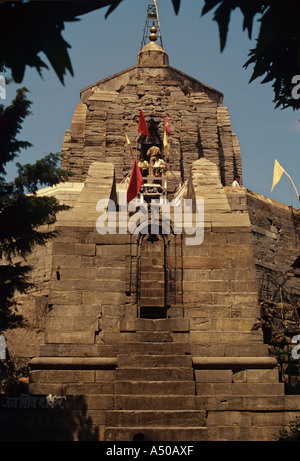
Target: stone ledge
point(271, 403)
point(233, 362)
point(156, 325)
point(159, 434)
point(79, 363)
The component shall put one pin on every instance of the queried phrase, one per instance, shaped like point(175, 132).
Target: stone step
point(157, 402)
point(155, 374)
point(75, 323)
point(155, 387)
point(249, 403)
point(90, 388)
point(153, 292)
point(221, 324)
point(70, 337)
point(45, 389)
point(84, 380)
point(149, 271)
point(103, 366)
point(69, 350)
point(223, 337)
point(152, 264)
point(101, 389)
point(145, 361)
point(153, 274)
point(153, 284)
point(152, 302)
point(155, 259)
point(166, 325)
point(240, 389)
point(148, 348)
point(132, 418)
point(155, 336)
point(243, 433)
point(230, 350)
point(74, 310)
point(157, 434)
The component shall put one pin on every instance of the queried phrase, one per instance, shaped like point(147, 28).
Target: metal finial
point(152, 26)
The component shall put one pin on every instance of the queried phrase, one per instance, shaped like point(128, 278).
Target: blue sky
point(101, 47)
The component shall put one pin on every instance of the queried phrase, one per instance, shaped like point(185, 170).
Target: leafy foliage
point(25, 217)
point(249, 8)
point(276, 57)
point(292, 434)
point(30, 28)
point(11, 119)
point(9, 381)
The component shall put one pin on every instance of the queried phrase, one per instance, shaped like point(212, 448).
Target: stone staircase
point(155, 386)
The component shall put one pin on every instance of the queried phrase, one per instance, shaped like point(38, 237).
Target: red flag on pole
point(167, 126)
point(143, 128)
point(135, 182)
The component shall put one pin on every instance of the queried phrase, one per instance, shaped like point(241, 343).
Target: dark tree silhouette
point(22, 212)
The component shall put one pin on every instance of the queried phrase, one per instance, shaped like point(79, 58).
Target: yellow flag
point(278, 171)
point(127, 139)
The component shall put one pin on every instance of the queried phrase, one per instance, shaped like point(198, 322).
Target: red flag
point(167, 126)
point(135, 182)
point(143, 128)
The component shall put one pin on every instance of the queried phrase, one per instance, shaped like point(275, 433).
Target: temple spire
point(152, 25)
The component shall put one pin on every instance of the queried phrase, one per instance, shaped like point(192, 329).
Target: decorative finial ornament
point(153, 36)
point(152, 26)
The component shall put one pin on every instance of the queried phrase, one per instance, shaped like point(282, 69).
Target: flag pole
point(129, 144)
point(278, 172)
point(136, 149)
point(156, 9)
point(166, 146)
point(293, 184)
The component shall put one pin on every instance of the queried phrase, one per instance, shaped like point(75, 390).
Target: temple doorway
point(152, 279)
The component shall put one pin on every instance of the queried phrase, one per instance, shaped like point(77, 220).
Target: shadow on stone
point(26, 417)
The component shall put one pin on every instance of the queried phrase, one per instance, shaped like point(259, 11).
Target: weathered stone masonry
point(200, 124)
point(198, 370)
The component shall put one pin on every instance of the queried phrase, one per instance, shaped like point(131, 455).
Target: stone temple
point(143, 334)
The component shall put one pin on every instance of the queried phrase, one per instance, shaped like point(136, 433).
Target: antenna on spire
point(152, 26)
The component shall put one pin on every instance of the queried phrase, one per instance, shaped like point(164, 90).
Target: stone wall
point(276, 239)
point(204, 357)
point(24, 342)
point(200, 125)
